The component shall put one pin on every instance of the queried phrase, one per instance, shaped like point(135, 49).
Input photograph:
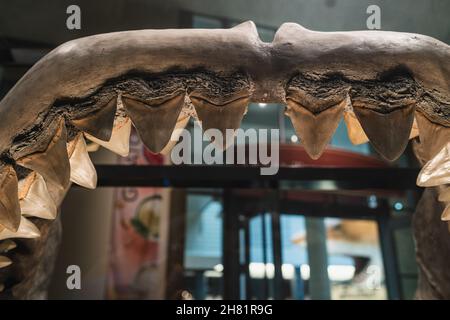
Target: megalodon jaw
point(388, 87)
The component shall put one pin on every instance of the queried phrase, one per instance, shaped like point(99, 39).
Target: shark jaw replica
point(389, 87)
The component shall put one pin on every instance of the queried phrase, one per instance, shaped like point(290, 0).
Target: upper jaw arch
point(78, 69)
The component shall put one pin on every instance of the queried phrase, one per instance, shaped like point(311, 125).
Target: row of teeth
point(39, 194)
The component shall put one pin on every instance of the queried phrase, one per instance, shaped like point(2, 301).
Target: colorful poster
point(136, 271)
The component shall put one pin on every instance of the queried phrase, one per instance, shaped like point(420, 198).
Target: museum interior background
point(288, 242)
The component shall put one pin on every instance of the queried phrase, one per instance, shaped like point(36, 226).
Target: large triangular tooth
point(436, 172)
point(221, 117)
point(38, 202)
point(388, 133)
point(315, 130)
point(4, 262)
point(9, 198)
point(181, 124)
point(154, 123)
point(27, 230)
point(100, 123)
point(82, 171)
point(7, 245)
point(433, 137)
point(53, 163)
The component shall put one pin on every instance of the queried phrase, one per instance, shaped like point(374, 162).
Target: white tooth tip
point(26, 230)
point(4, 261)
point(38, 202)
point(436, 172)
point(120, 137)
point(82, 171)
point(446, 213)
